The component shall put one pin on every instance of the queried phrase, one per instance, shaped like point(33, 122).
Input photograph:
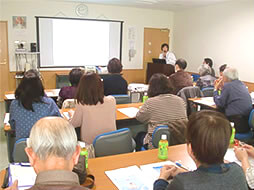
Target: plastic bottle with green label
point(163, 148)
point(232, 138)
point(145, 97)
point(84, 152)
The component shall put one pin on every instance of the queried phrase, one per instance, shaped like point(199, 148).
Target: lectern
point(152, 68)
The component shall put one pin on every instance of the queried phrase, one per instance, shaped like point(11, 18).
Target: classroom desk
point(205, 101)
point(119, 116)
point(98, 166)
point(9, 96)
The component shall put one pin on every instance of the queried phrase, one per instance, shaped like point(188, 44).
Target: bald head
point(53, 136)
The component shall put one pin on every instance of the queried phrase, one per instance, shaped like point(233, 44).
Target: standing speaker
point(33, 47)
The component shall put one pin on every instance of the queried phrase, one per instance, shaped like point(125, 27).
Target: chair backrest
point(19, 154)
point(190, 92)
point(156, 136)
point(69, 103)
point(122, 98)
point(251, 119)
point(208, 91)
point(115, 142)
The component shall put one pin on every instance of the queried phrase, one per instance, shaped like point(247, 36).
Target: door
point(153, 38)
point(4, 60)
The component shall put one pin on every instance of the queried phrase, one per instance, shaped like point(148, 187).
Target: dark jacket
point(180, 79)
point(114, 84)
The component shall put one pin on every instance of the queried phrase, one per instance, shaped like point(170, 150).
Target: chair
point(208, 91)
point(19, 154)
point(249, 135)
point(69, 103)
point(190, 92)
point(115, 142)
point(156, 136)
point(122, 98)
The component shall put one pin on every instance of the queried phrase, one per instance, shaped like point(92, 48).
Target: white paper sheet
point(230, 157)
point(131, 112)
point(130, 178)
point(17, 172)
point(49, 94)
point(7, 118)
point(206, 101)
point(10, 96)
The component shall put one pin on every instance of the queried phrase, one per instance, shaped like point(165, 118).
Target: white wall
point(139, 18)
point(224, 32)
point(1, 9)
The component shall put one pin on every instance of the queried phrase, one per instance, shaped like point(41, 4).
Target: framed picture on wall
point(19, 22)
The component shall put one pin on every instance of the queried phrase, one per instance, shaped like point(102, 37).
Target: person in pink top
point(94, 113)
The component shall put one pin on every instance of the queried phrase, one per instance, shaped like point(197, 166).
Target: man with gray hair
point(234, 99)
point(206, 79)
point(53, 151)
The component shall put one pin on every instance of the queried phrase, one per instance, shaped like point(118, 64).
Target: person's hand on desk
point(169, 171)
point(242, 155)
point(14, 186)
point(249, 149)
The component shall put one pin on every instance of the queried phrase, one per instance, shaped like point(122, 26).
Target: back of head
point(182, 64)
point(209, 61)
point(159, 84)
point(75, 75)
point(222, 67)
point(30, 89)
point(204, 70)
point(230, 73)
point(209, 133)
point(90, 89)
point(53, 136)
point(114, 66)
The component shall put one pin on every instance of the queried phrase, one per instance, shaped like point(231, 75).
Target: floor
point(3, 147)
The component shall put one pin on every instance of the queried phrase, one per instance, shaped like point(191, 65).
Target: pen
point(181, 166)
point(157, 167)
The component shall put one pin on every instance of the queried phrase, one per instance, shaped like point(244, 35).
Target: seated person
point(180, 78)
point(221, 69)
point(234, 99)
point(161, 108)
point(206, 79)
point(68, 92)
point(94, 112)
point(208, 134)
point(53, 151)
point(114, 83)
point(167, 55)
point(243, 153)
point(30, 105)
point(209, 62)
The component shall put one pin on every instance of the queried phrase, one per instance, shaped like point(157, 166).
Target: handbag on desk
point(80, 170)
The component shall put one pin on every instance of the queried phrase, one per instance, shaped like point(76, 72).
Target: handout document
point(131, 112)
point(206, 101)
point(17, 171)
point(230, 157)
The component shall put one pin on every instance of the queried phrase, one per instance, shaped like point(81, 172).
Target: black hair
point(30, 89)
point(209, 61)
point(182, 64)
point(75, 75)
point(164, 45)
point(222, 67)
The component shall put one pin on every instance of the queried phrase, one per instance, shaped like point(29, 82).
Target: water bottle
point(232, 138)
point(163, 148)
point(145, 97)
point(84, 152)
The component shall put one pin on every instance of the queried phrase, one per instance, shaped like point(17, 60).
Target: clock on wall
point(81, 10)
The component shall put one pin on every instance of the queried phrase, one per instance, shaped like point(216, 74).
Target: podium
point(152, 68)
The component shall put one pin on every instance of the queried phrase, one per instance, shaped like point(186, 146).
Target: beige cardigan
point(96, 119)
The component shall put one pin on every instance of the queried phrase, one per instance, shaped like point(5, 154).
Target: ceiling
point(172, 5)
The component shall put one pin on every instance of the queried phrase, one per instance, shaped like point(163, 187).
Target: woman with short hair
point(208, 134)
point(94, 112)
point(68, 92)
point(30, 105)
point(114, 83)
point(161, 108)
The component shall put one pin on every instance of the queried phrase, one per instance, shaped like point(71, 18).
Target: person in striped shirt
point(161, 108)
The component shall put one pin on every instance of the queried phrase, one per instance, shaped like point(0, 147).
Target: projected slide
point(73, 42)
